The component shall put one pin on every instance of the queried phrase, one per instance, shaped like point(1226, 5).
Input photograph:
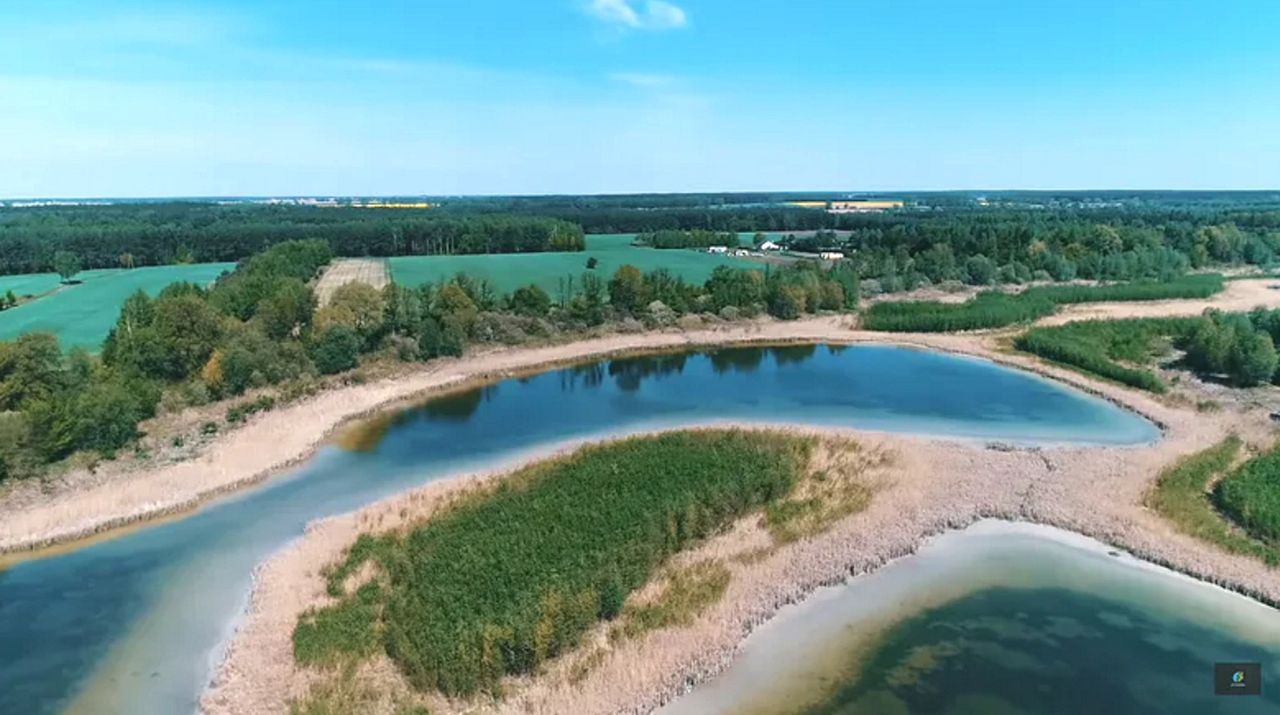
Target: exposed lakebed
point(134, 624)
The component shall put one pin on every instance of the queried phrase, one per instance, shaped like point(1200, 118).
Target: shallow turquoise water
point(132, 625)
point(1001, 619)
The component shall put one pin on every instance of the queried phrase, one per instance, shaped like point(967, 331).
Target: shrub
point(336, 350)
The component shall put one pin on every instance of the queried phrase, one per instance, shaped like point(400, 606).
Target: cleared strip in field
point(352, 270)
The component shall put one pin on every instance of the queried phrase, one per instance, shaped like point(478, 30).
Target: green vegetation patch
point(549, 271)
point(1241, 514)
point(1236, 348)
point(688, 592)
point(82, 314)
point(1115, 350)
point(513, 576)
point(1251, 497)
point(992, 309)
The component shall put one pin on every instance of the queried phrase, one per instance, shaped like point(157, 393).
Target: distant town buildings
point(851, 206)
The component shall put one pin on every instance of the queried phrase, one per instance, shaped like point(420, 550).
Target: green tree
point(788, 302)
point(979, 270)
point(66, 264)
point(288, 310)
point(336, 349)
point(530, 300)
point(355, 305)
point(628, 291)
point(1253, 359)
point(30, 369)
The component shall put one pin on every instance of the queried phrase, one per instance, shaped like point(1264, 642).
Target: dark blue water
point(131, 625)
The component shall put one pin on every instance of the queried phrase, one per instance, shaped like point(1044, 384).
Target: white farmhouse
point(770, 246)
point(717, 249)
point(831, 256)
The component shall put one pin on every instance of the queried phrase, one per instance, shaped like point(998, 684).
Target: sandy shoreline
point(938, 486)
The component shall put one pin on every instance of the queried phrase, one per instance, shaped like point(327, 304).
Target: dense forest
point(128, 235)
point(1010, 237)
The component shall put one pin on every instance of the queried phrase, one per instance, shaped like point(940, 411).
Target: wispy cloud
point(643, 79)
point(652, 15)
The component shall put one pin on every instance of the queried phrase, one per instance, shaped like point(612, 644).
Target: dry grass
point(841, 479)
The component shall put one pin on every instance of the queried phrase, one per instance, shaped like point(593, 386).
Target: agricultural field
point(512, 270)
point(351, 270)
point(82, 314)
point(33, 284)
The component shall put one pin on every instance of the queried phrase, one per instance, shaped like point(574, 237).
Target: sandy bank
point(934, 486)
point(1239, 296)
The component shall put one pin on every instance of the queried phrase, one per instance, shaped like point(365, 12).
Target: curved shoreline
point(273, 442)
point(1096, 492)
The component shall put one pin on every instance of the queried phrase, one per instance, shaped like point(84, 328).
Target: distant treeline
point(155, 234)
point(696, 238)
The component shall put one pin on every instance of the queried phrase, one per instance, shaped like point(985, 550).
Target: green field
point(512, 270)
point(81, 314)
point(32, 283)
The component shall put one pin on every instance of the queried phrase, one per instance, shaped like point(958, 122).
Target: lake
point(134, 624)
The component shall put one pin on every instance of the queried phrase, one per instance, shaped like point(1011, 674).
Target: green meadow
point(512, 270)
point(83, 313)
point(32, 283)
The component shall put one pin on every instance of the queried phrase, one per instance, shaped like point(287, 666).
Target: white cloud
point(653, 15)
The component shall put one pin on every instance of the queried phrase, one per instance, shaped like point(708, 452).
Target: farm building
point(864, 206)
point(717, 249)
point(831, 255)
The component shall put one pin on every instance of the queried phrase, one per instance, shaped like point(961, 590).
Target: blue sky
point(135, 98)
